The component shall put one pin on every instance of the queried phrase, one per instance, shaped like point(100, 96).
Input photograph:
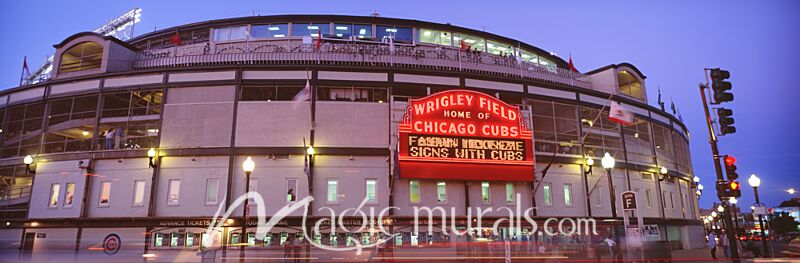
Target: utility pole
point(720, 179)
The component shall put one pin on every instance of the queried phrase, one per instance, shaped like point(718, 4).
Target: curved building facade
point(206, 96)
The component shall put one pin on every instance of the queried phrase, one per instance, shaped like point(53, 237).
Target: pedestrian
point(287, 249)
point(712, 244)
point(109, 139)
point(296, 247)
point(726, 244)
point(118, 137)
point(612, 246)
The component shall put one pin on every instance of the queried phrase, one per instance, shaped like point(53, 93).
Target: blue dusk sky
point(670, 42)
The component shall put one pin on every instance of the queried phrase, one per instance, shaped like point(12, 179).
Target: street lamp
point(248, 166)
point(663, 170)
point(720, 208)
point(696, 179)
point(28, 160)
point(151, 154)
point(714, 214)
point(310, 150)
point(589, 164)
point(755, 182)
point(791, 191)
point(608, 163)
point(733, 200)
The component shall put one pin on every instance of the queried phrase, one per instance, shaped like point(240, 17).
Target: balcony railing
point(15, 195)
point(354, 53)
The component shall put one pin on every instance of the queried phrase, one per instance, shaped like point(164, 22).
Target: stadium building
point(396, 112)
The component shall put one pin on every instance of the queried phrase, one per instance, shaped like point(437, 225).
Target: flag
point(304, 94)
point(176, 39)
point(319, 39)
point(660, 101)
point(620, 114)
point(463, 45)
point(672, 105)
point(571, 65)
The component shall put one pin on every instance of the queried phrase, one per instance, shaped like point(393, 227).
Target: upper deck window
point(229, 33)
point(630, 85)
point(435, 37)
point(469, 42)
point(498, 48)
point(310, 29)
point(399, 34)
point(83, 56)
point(270, 31)
point(347, 30)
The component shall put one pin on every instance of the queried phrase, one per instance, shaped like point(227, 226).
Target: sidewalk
point(699, 254)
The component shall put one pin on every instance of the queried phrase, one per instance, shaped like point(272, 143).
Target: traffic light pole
point(712, 139)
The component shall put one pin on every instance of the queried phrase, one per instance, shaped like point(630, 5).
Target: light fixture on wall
point(151, 154)
point(310, 150)
point(28, 160)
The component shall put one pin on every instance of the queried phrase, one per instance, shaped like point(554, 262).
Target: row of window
point(414, 193)
point(382, 32)
point(281, 30)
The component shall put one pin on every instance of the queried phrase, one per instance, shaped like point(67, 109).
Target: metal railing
point(355, 53)
point(7, 195)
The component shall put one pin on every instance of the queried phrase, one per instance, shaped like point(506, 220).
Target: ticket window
point(159, 240)
point(234, 238)
point(414, 239)
point(284, 237)
point(177, 240)
point(398, 240)
point(251, 238)
point(267, 240)
point(189, 239)
point(365, 239)
point(317, 238)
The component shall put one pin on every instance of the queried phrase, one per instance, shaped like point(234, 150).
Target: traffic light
point(723, 189)
point(721, 86)
point(735, 189)
point(730, 168)
point(726, 121)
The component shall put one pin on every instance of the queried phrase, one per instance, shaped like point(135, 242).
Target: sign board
point(466, 135)
point(41, 235)
point(629, 200)
point(634, 237)
point(650, 230)
point(760, 210)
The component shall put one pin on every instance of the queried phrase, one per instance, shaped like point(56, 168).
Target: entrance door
point(27, 245)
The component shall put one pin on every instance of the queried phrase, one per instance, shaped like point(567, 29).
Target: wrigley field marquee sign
point(467, 135)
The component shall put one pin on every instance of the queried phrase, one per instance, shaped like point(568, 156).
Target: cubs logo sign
point(112, 244)
point(464, 135)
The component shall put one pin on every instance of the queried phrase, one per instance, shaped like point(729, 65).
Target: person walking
point(712, 244)
point(612, 247)
point(726, 244)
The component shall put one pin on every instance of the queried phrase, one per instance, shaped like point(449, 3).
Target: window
point(138, 193)
point(647, 197)
point(270, 31)
point(671, 200)
point(548, 194)
point(70, 124)
point(601, 137)
point(370, 191)
point(553, 124)
point(270, 93)
point(83, 56)
point(229, 33)
point(353, 94)
point(485, 192)
point(310, 29)
point(347, 30)
point(435, 37)
point(24, 122)
point(399, 34)
point(174, 192)
point(630, 85)
point(568, 194)
point(470, 42)
point(291, 190)
point(132, 103)
point(212, 187)
point(441, 192)
point(647, 176)
point(498, 48)
point(105, 194)
point(69, 194)
point(54, 189)
point(529, 57)
point(413, 191)
point(638, 141)
point(597, 196)
point(510, 193)
point(333, 190)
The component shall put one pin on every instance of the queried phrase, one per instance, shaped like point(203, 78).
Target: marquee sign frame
point(464, 135)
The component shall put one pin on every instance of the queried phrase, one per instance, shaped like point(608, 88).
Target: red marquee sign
point(464, 135)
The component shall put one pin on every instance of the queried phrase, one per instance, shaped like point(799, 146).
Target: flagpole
point(22, 73)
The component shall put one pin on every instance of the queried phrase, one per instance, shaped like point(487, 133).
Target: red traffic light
point(735, 185)
point(730, 160)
